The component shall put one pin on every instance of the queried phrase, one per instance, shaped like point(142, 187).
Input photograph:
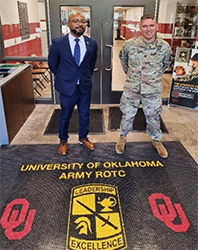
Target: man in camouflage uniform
point(144, 59)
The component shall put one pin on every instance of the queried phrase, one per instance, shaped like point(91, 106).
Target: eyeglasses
point(78, 21)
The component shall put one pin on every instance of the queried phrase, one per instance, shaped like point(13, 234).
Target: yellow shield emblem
point(95, 219)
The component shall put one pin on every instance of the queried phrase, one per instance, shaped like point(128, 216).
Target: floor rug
point(96, 122)
point(98, 200)
point(139, 124)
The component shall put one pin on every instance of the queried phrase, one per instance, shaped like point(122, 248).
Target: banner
point(184, 87)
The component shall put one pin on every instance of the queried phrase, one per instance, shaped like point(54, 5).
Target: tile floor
point(180, 122)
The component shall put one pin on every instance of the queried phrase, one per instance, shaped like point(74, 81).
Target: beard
point(78, 32)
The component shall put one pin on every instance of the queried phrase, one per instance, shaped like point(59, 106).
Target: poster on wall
point(184, 87)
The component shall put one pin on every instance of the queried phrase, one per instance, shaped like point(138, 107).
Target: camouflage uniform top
point(144, 64)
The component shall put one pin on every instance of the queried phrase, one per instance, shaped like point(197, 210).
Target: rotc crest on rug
point(95, 218)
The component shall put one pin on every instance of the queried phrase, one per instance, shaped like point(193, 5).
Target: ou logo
point(12, 218)
point(168, 212)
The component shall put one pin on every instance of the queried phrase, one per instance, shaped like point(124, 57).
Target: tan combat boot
point(120, 145)
point(161, 150)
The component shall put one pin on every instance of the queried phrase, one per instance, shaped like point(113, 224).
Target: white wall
point(167, 9)
point(9, 11)
point(43, 25)
point(134, 14)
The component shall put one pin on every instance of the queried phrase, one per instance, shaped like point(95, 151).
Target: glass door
point(111, 22)
point(59, 12)
point(120, 23)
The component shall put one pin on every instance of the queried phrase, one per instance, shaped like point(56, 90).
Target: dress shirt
point(82, 44)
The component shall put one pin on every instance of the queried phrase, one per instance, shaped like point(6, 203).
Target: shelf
point(183, 38)
point(184, 30)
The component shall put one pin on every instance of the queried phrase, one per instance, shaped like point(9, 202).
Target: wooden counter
point(16, 101)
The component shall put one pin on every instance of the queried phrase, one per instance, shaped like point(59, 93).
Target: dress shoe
point(62, 149)
point(161, 150)
point(86, 143)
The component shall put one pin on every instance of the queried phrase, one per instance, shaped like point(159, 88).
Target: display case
point(185, 26)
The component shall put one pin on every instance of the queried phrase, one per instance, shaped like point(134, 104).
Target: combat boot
point(161, 150)
point(120, 145)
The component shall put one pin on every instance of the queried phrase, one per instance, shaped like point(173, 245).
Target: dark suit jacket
point(66, 71)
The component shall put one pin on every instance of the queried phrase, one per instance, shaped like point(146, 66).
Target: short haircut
point(147, 16)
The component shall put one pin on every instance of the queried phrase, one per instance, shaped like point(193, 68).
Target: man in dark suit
point(72, 59)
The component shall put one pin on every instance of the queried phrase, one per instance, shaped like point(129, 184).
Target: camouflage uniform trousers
point(151, 104)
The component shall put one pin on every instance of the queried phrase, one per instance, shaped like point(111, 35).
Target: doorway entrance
point(110, 23)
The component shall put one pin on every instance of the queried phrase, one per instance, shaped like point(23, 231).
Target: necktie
point(77, 51)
